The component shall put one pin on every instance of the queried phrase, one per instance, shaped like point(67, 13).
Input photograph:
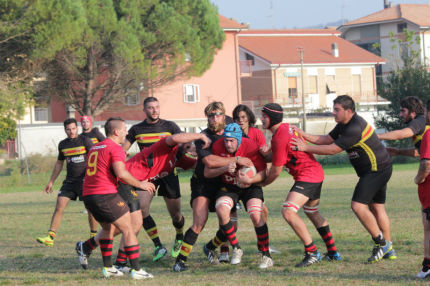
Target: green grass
point(26, 215)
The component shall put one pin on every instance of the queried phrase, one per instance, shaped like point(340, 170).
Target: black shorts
point(106, 208)
point(71, 189)
point(311, 190)
point(130, 196)
point(245, 194)
point(205, 189)
point(372, 187)
point(168, 186)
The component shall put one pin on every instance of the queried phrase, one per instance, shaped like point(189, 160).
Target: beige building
point(271, 69)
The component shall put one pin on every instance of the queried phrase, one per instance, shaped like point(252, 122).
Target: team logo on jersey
point(353, 155)
point(76, 159)
point(151, 137)
point(94, 140)
point(67, 152)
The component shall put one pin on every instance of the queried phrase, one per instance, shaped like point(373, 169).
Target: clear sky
point(289, 14)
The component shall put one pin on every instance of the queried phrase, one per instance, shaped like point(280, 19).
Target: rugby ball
point(250, 172)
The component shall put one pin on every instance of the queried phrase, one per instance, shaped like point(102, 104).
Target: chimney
point(387, 4)
point(335, 50)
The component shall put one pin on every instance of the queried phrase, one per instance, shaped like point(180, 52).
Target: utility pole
point(300, 49)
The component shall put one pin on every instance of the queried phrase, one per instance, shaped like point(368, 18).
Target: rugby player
point(146, 133)
point(371, 162)
point(106, 163)
point(152, 163)
point(74, 151)
point(422, 179)
point(308, 178)
point(233, 145)
point(203, 190)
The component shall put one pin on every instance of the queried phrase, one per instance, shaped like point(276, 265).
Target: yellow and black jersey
point(74, 151)
point(146, 134)
point(366, 153)
point(95, 135)
point(418, 127)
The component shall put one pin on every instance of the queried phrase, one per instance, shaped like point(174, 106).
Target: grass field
point(26, 214)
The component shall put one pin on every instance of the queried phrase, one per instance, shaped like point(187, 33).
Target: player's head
point(343, 108)
point(243, 116)
point(151, 107)
point(115, 128)
point(215, 112)
point(410, 107)
point(86, 123)
point(71, 127)
point(232, 137)
point(271, 114)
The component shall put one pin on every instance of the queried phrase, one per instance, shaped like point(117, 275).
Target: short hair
point(413, 104)
point(149, 99)
point(215, 105)
point(345, 101)
point(111, 125)
point(247, 110)
point(70, 121)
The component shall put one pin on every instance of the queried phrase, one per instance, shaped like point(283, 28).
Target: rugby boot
point(159, 253)
point(266, 262)
point(140, 274)
point(309, 259)
point(379, 251)
point(176, 248)
point(211, 255)
point(332, 256)
point(180, 266)
point(424, 273)
point(390, 255)
point(46, 240)
point(108, 272)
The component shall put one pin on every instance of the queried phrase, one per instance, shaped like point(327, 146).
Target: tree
point(411, 78)
point(94, 52)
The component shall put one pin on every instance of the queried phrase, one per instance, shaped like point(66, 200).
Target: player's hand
point(243, 179)
point(207, 142)
point(298, 130)
point(147, 186)
point(418, 181)
point(393, 151)
point(298, 144)
point(231, 167)
point(265, 150)
point(243, 161)
point(48, 188)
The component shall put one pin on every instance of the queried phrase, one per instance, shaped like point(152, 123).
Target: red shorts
point(424, 193)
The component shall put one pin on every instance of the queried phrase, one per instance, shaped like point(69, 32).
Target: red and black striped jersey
point(366, 153)
point(95, 135)
point(146, 134)
point(74, 151)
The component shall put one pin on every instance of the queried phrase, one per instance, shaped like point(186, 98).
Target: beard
point(216, 127)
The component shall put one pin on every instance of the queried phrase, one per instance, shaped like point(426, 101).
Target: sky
point(290, 14)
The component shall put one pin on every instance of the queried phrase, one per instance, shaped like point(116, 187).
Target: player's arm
point(272, 174)
point(126, 145)
point(314, 139)
point(397, 134)
point(423, 171)
point(122, 173)
point(410, 152)
point(179, 138)
point(266, 152)
point(299, 145)
point(214, 161)
point(57, 170)
point(215, 172)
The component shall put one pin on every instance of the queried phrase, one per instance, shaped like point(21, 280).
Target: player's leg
point(174, 207)
point(200, 206)
point(60, 206)
point(425, 270)
point(93, 224)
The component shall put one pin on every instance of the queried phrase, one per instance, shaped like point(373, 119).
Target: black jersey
point(95, 135)
point(147, 134)
point(74, 151)
point(366, 153)
point(418, 127)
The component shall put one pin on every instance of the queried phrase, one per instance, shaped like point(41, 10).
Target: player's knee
point(311, 211)
point(223, 205)
point(289, 210)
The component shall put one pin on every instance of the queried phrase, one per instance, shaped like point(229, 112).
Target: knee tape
point(254, 209)
point(224, 202)
point(290, 206)
point(310, 210)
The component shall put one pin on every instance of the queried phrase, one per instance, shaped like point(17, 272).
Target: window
point(132, 99)
point(250, 58)
point(41, 114)
point(191, 93)
point(313, 84)
point(401, 27)
point(292, 87)
point(331, 83)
